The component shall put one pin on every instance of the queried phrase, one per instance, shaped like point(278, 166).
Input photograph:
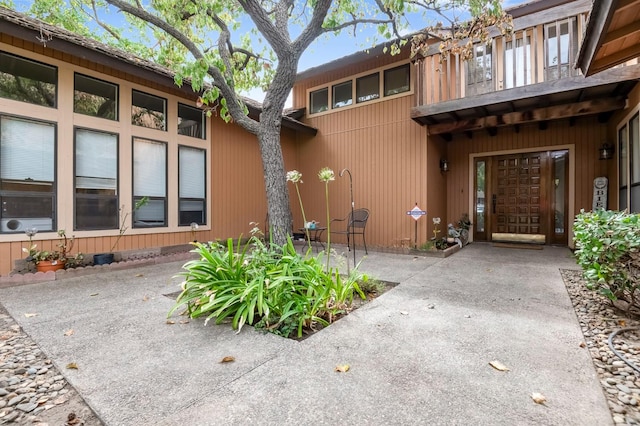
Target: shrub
point(607, 245)
point(268, 286)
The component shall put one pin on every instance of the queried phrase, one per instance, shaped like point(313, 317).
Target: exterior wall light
point(444, 166)
point(606, 151)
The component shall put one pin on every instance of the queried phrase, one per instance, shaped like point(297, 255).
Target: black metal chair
point(356, 224)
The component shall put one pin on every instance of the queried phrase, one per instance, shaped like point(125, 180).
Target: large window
point(629, 157)
point(95, 97)
point(319, 101)
point(480, 70)
point(396, 80)
point(342, 94)
point(561, 46)
point(517, 63)
point(192, 187)
point(148, 110)
point(28, 81)
point(368, 88)
point(96, 180)
point(150, 180)
point(191, 122)
point(27, 175)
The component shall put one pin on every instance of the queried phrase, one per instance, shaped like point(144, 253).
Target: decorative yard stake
point(416, 213)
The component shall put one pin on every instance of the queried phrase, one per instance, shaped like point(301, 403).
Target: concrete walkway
point(411, 363)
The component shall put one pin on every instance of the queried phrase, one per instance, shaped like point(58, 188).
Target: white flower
point(436, 221)
point(294, 176)
point(326, 175)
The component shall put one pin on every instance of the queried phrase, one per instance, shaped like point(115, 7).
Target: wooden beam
point(631, 72)
point(557, 112)
point(625, 31)
point(616, 58)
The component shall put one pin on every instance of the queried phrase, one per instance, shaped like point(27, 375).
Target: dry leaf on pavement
point(498, 365)
point(538, 398)
point(30, 315)
point(68, 332)
point(72, 366)
point(342, 368)
point(227, 359)
point(170, 322)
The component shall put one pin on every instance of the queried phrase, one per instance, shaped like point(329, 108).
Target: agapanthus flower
point(294, 176)
point(326, 175)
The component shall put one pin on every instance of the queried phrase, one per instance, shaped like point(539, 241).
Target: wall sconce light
point(444, 166)
point(606, 151)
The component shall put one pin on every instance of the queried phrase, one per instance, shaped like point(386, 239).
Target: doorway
point(522, 197)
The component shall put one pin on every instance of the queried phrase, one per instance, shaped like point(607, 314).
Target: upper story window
point(480, 70)
point(95, 97)
point(561, 48)
point(517, 63)
point(396, 80)
point(191, 186)
point(150, 180)
point(29, 81)
point(342, 94)
point(319, 101)
point(191, 122)
point(368, 88)
point(96, 180)
point(148, 110)
point(27, 175)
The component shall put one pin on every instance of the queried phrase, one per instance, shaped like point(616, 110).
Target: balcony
point(527, 76)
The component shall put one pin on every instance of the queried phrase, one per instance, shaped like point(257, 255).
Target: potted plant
point(53, 260)
point(107, 258)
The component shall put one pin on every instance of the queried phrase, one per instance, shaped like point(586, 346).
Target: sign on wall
point(600, 189)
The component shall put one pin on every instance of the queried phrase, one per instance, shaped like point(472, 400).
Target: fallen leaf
point(94, 294)
point(498, 366)
point(60, 400)
point(144, 299)
point(538, 398)
point(30, 315)
point(184, 322)
point(342, 368)
point(582, 344)
point(139, 275)
point(622, 323)
point(170, 322)
point(227, 359)
point(71, 366)
point(68, 332)
point(72, 419)
point(404, 313)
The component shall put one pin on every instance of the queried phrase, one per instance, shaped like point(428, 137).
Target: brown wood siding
point(387, 155)
point(586, 135)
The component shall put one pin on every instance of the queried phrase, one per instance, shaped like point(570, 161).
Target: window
point(396, 80)
point(191, 186)
point(150, 180)
point(517, 64)
point(319, 101)
point(191, 122)
point(148, 110)
point(480, 71)
point(95, 97)
point(368, 88)
point(561, 47)
point(96, 180)
point(342, 94)
point(28, 81)
point(27, 175)
point(629, 156)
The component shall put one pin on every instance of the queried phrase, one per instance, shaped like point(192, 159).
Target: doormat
point(518, 246)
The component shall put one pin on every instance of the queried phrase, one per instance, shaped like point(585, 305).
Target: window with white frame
point(96, 180)
point(629, 158)
point(191, 122)
point(25, 80)
point(148, 110)
point(517, 63)
point(561, 47)
point(150, 181)
point(191, 186)
point(27, 175)
point(95, 97)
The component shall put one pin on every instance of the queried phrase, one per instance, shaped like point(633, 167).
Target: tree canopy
point(222, 47)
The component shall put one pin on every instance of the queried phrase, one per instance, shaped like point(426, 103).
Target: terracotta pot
point(50, 265)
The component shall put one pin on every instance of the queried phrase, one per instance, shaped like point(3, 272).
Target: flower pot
point(50, 265)
point(103, 259)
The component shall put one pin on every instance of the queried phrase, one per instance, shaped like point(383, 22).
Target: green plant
point(607, 245)
point(268, 286)
point(123, 219)
point(65, 245)
point(326, 175)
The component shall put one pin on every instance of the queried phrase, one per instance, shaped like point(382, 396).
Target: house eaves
point(33, 30)
point(612, 36)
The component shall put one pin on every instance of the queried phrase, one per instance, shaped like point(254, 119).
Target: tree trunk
point(280, 222)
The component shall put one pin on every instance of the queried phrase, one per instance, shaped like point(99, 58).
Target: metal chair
point(356, 224)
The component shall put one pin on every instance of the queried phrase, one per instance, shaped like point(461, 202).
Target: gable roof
point(30, 29)
point(612, 36)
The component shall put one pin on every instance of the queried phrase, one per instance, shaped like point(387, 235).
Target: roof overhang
point(565, 98)
point(33, 30)
point(612, 35)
